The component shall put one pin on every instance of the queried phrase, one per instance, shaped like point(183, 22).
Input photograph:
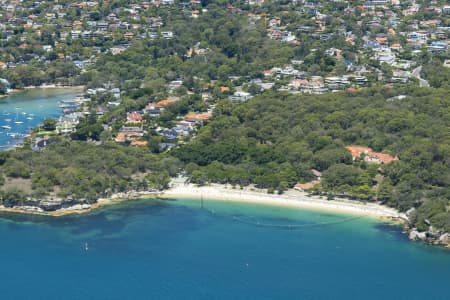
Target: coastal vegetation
point(275, 139)
point(83, 172)
point(285, 91)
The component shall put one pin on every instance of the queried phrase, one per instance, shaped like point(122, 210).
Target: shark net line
point(250, 220)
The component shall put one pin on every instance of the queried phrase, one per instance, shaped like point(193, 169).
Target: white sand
point(292, 198)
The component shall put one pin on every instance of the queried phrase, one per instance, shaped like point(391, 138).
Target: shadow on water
point(394, 230)
point(106, 220)
point(112, 222)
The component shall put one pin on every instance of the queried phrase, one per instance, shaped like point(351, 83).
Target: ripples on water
point(174, 250)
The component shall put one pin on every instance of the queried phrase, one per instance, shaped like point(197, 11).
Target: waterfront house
point(306, 186)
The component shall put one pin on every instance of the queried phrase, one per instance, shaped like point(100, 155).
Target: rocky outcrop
point(445, 239)
point(51, 205)
point(415, 235)
point(432, 237)
point(47, 205)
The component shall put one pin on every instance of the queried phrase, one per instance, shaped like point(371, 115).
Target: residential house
point(369, 155)
point(129, 134)
point(135, 117)
point(240, 96)
point(163, 103)
point(306, 186)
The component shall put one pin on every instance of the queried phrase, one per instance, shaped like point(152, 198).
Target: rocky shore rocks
point(415, 235)
point(47, 206)
point(445, 239)
point(430, 237)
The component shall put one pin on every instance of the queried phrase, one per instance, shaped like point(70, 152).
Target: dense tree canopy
point(275, 139)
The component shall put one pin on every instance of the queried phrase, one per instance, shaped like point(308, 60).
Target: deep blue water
point(29, 108)
point(153, 249)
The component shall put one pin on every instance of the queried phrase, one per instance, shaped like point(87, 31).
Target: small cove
point(21, 112)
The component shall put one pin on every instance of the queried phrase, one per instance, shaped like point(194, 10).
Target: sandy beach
point(53, 86)
point(291, 198)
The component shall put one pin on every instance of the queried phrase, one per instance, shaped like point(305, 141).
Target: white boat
point(17, 135)
point(18, 122)
point(29, 118)
point(6, 127)
point(7, 120)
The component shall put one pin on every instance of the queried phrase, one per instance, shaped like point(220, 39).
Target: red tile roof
point(357, 151)
point(307, 185)
point(164, 103)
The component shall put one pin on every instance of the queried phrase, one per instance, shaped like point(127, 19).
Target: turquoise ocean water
point(154, 249)
point(27, 109)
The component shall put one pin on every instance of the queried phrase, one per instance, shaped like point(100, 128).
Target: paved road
point(416, 74)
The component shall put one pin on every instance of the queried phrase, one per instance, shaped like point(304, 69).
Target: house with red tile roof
point(369, 155)
point(306, 186)
point(224, 89)
point(201, 117)
point(139, 143)
point(129, 134)
point(134, 117)
point(164, 103)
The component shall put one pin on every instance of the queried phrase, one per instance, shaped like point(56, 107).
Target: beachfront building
point(306, 186)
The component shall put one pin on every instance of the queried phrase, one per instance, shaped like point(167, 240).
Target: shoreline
point(53, 86)
point(218, 192)
point(78, 209)
point(15, 92)
point(291, 198)
point(49, 86)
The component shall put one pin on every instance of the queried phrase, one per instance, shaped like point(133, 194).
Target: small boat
point(8, 120)
point(18, 122)
point(17, 135)
point(24, 113)
point(69, 105)
point(29, 118)
point(5, 113)
point(6, 127)
point(86, 247)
